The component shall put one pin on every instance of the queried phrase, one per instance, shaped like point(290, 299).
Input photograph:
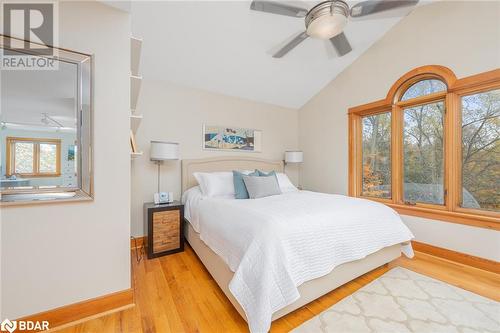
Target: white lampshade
point(161, 150)
point(294, 157)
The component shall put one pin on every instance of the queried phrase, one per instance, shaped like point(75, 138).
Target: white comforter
point(275, 244)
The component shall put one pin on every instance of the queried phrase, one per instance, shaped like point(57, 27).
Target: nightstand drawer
point(166, 230)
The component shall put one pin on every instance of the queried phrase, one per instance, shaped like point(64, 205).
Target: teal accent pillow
point(240, 190)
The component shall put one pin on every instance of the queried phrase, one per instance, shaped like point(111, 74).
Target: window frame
point(10, 158)
point(451, 211)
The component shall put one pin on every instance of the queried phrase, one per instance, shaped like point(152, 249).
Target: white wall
point(58, 254)
point(480, 242)
point(443, 33)
point(177, 113)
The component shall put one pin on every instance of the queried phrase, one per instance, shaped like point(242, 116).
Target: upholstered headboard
point(226, 163)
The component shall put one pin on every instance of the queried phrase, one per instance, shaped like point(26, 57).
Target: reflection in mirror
point(38, 127)
point(45, 129)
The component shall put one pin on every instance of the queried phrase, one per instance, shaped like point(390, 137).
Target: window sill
point(43, 197)
point(37, 175)
point(481, 221)
point(485, 219)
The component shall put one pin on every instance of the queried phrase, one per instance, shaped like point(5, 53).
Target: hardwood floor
point(177, 294)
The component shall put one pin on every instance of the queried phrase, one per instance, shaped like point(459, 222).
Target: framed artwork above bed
point(231, 138)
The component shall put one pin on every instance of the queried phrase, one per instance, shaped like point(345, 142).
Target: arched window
point(423, 88)
point(431, 148)
point(422, 108)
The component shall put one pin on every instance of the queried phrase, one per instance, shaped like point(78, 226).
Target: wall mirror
point(45, 124)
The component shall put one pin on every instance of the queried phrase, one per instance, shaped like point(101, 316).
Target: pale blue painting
point(229, 138)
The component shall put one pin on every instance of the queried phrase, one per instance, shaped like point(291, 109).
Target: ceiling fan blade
point(291, 45)
point(375, 6)
point(274, 7)
point(341, 44)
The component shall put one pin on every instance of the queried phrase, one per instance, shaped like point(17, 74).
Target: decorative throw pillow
point(283, 181)
point(285, 184)
point(259, 187)
point(213, 184)
point(265, 174)
point(240, 190)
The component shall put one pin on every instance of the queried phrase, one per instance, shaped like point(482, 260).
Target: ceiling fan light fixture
point(326, 27)
point(327, 19)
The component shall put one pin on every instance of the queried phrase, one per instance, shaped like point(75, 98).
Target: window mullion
point(36, 158)
point(359, 155)
point(58, 158)
point(452, 146)
point(397, 154)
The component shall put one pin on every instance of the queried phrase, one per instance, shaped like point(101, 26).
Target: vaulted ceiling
point(28, 94)
point(223, 47)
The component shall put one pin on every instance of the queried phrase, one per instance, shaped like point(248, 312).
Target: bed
point(223, 270)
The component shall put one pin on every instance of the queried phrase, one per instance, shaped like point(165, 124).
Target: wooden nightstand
point(165, 229)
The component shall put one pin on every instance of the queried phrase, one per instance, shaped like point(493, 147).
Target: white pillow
point(285, 183)
point(213, 184)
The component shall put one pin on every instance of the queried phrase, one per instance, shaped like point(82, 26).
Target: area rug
point(404, 301)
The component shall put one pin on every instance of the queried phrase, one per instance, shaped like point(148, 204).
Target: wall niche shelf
point(135, 121)
point(135, 89)
point(135, 54)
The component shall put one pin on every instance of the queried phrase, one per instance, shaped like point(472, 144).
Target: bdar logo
point(8, 325)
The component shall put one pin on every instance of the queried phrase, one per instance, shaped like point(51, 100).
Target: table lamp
point(163, 151)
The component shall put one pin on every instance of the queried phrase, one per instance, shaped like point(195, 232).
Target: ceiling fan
point(327, 19)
